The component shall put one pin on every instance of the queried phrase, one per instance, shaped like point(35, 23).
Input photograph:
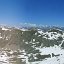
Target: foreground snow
point(56, 50)
point(53, 60)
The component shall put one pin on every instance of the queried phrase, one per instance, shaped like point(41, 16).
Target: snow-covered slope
point(37, 45)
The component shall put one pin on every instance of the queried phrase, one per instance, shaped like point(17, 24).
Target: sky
point(45, 12)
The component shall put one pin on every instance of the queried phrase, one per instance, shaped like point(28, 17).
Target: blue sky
point(45, 12)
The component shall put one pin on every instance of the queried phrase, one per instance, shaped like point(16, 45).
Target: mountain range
point(39, 43)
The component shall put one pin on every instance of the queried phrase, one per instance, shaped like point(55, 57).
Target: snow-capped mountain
point(38, 45)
